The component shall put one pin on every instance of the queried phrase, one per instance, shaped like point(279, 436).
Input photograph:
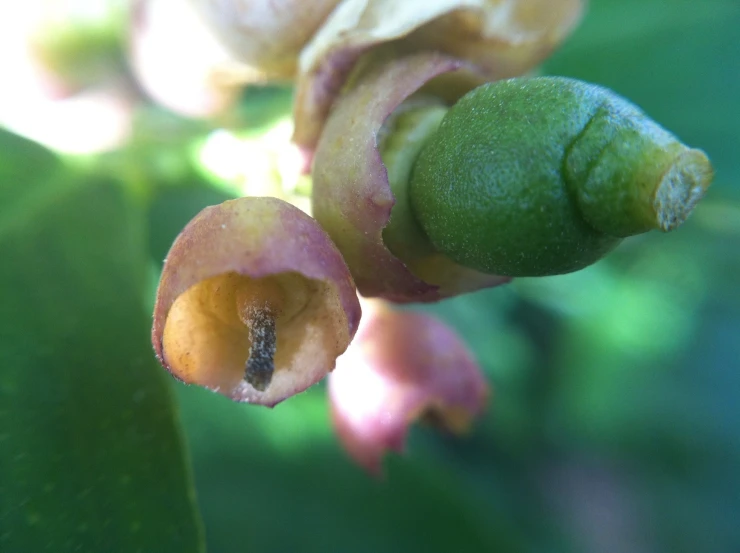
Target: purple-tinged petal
point(352, 198)
point(402, 366)
point(248, 254)
point(504, 39)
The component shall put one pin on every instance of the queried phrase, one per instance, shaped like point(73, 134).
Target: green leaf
point(23, 167)
point(254, 467)
point(91, 455)
point(173, 207)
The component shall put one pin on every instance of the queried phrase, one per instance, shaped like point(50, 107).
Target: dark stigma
point(261, 362)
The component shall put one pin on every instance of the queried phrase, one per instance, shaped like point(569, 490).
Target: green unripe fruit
point(542, 176)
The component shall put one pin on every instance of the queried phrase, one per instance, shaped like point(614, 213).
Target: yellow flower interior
point(206, 338)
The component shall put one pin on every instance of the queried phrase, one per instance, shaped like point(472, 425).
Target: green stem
point(681, 188)
point(629, 175)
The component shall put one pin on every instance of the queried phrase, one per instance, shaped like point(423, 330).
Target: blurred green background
point(615, 422)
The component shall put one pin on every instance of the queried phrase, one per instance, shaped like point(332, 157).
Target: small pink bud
point(402, 366)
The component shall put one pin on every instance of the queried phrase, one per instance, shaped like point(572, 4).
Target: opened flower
point(254, 302)
point(402, 367)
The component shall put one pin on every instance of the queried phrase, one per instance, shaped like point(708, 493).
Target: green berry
point(542, 176)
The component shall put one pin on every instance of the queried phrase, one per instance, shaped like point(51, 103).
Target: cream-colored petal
point(164, 33)
point(503, 37)
point(266, 34)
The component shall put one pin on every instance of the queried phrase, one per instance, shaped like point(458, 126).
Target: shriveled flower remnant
point(425, 185)
point(402, 367)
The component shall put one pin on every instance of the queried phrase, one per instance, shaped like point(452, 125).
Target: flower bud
point(402, 367)
point(254, 302)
